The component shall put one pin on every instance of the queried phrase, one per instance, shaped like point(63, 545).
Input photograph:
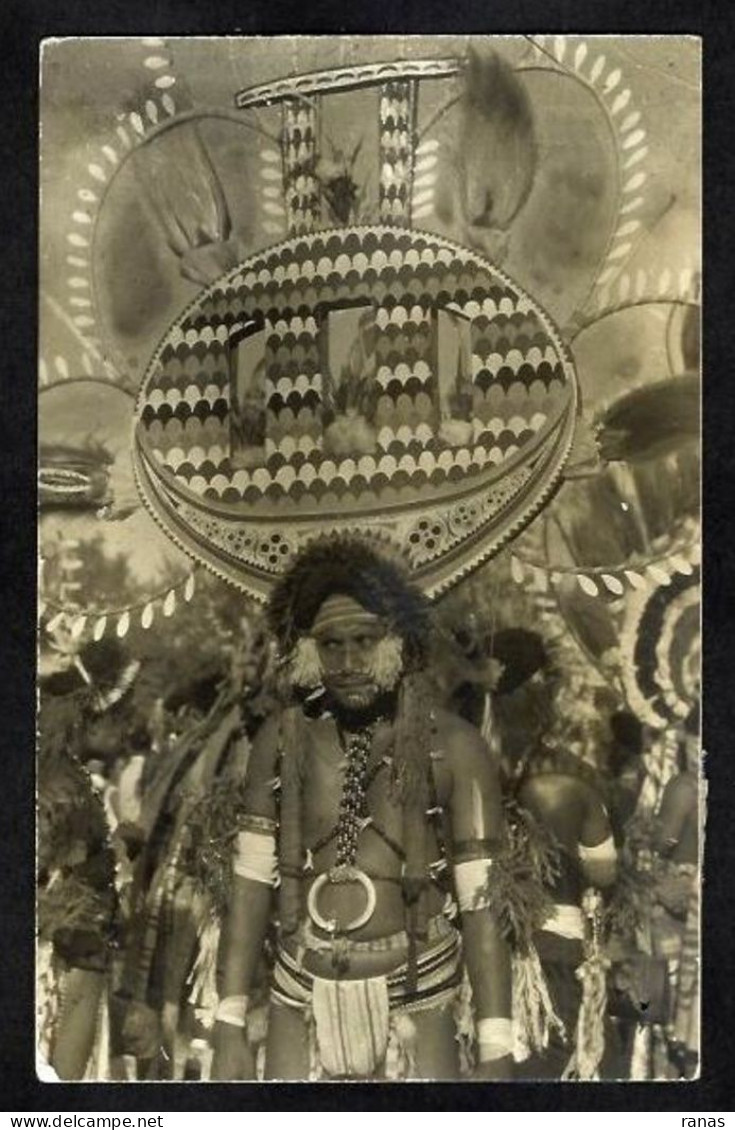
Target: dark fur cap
point(351, 567)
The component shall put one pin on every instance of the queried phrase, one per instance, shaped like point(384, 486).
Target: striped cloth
point(351, 1020)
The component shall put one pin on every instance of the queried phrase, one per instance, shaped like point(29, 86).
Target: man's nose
point(351, 657)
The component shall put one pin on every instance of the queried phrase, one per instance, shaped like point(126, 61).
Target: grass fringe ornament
point(516, 893)
point(68, 904)
point(209, 835)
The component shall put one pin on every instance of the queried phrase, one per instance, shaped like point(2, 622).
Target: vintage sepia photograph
point(369, 559)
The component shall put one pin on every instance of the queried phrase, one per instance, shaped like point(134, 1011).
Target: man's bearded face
point(348, 639)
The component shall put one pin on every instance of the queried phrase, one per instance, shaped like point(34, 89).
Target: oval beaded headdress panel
point(366, 379)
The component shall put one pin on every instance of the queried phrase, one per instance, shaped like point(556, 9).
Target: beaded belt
point(306, 940)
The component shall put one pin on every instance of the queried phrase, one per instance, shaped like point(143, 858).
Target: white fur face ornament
point(350, 652)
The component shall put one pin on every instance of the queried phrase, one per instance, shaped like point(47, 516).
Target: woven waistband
point(439, 973)
point(307, 940)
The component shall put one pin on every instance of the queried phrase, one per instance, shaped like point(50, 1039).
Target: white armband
point(470, 881)
point(494, 1038)
point(605, 852)
point(232, 1010)
point(255, 857)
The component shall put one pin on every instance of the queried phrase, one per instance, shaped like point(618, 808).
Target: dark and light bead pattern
point(518, 380)
point(353, 806)
point(421, 444)
point(397, 104)
point(299, 148)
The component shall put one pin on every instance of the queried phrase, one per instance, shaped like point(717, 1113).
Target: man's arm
point(246, 921)
point(478, 835)
point(678, 800)
point(597, 853)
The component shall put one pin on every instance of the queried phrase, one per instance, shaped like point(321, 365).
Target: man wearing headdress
point(564, 797)
point(82, 696)
point(367, 808)
point(569, 942)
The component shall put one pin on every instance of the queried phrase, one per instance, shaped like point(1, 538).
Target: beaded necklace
point(353, 804)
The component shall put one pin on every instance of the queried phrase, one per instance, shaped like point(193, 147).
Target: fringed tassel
point(534, 1016)
point(316, 1070)
point(203, 976)
point(48, 997)
point(590, 1033)
point(464, 1023)
point(98, 1065)
point(257, 1028)
point(412, 739)
point(411, 767)
point(291, 848)
point(640, 1059)
point(400, 1055)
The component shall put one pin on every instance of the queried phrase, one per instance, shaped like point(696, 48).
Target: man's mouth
point(352, 687)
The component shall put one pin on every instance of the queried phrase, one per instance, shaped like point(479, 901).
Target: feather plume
point(492, 173)
point(651, 422)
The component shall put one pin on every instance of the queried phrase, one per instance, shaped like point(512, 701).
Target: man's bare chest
point(326, 773)
point(328, 777)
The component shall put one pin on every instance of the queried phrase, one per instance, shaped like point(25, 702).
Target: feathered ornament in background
point(349, 408)
point(184, 193)
point(337, 180)
point(651, 422)
point(487, 179)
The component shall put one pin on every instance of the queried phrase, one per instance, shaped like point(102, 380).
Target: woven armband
point(494, 1038)
point(600, 853)
point(470, 881)
point(255, 857)
point(232, 1011)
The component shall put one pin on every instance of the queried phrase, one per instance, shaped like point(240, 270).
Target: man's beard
point(358, 711)
point(353, 691)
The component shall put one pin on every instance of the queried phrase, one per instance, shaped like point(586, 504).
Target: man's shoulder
point(683, 785)
point(560, 785)
point(268, 735)
point(456, 734)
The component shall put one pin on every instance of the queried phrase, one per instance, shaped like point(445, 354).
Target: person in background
point(563, 795)
point(76, 896)
point(625, 768)
point(675, 916)
point(84, 709)
point(572, 811)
